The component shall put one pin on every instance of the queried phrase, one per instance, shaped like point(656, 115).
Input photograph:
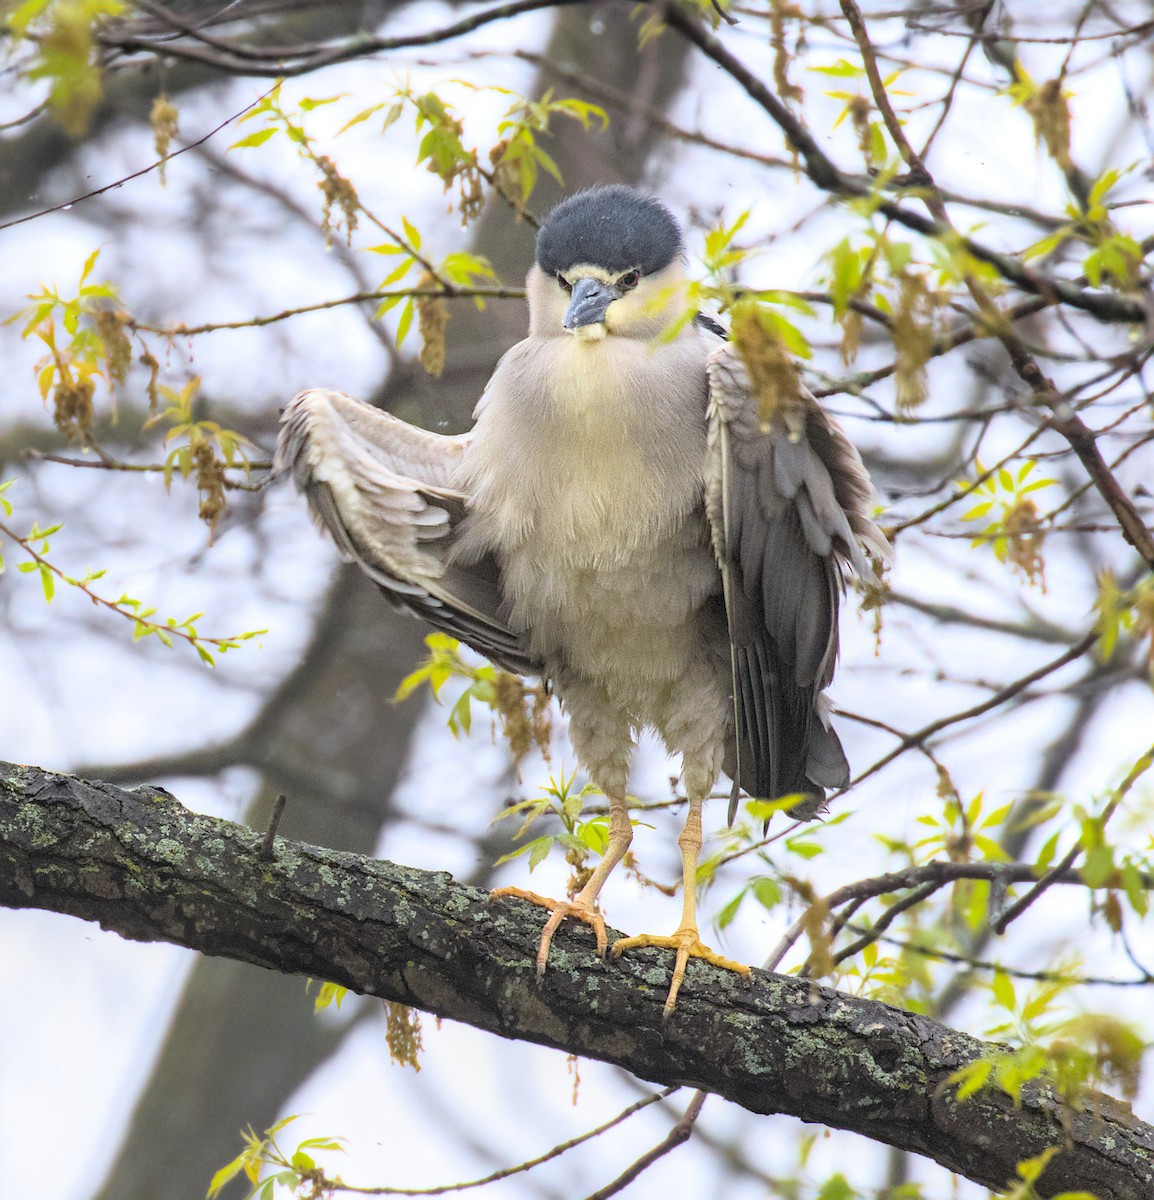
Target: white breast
point(586, 477)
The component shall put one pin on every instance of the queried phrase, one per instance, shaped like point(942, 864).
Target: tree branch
point(282, 61)
point(143, 866)
point(825, 174)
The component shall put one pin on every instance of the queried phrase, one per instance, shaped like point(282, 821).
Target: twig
point(160, 162)
point(1007, 693)
point(131, 609)
point(1063, 420)
point(679, 1134)
point(112, 464)
point(447, 291)
point(1020, 905)
point(885, 921)
point(937, 873)
point(1145, 979)
point(506, 1172)
point(272, 61)
point(266, 850)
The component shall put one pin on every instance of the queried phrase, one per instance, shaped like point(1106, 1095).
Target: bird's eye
point(565, 284)
point(629, 280)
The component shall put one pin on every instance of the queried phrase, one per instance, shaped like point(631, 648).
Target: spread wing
point(788, 503)
point(383, 490)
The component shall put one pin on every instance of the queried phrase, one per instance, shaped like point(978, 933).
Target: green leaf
point(412, 233)
point(89, 263)
point(1102, 185)
point(1040, 1003)
point(322, 1143)
point(762, 810)
point(255, 139)
point(1135, 887)
point(594, 834)
point(991, 850)
point(548, 164)
point(842, 69)
point(803, 848)
point(399, 273)
point(1047, 852)
point(1030, 1169)
point(226, 1174)
point(1099, 866)
point(836, 1187)
point(307, 104)
point(767, 891)
point(539, 850)
point(1047, 245)
point(439, 674)
point(729, 911)
point(330, 993)
point(971, 1078)
point(1003, 987)
point(405, 323)
point(461, 714)
point(879, 151)
point(357, 118)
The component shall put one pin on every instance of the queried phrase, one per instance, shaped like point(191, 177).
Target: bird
point(628, 520)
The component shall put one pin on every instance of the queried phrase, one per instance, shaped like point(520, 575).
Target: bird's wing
point(383, 490)
point(788, 501)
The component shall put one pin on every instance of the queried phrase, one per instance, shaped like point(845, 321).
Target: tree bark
point(140, 864)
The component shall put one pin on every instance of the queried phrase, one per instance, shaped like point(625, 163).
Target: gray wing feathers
point(789, 508)
point(383, 490)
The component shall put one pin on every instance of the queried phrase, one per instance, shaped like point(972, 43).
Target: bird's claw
point(559, 910)
point(687, 944)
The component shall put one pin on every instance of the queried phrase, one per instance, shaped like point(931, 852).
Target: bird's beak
point(590, 299)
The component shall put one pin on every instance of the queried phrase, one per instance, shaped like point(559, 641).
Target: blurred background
point(128, 1071)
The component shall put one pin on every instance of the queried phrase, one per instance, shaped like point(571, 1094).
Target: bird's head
point(610, 260)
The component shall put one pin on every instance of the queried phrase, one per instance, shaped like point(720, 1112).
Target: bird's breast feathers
point(599, 446)
point(585, 475)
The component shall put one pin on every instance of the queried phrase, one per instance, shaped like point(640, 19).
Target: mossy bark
point(140, 864)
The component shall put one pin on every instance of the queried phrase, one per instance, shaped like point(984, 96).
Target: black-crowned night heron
point(628, 522)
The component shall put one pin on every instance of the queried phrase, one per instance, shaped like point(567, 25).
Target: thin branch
point(823, 172)
point(507, 1172)
point(445, 291)
point(1145, 979)
point(1016, 909)
point(1063, 419)
point(130, 609)
point(160, 162)
point(283, 61)
point(1035, 629)
point(677, 1136)
point(932, 874)
point(113, 464)
point(1076, 651)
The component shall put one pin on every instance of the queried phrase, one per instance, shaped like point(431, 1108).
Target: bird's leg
point(686, 941)
point(583, 906)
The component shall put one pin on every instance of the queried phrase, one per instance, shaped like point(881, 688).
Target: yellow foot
point(688, 944)
point(559, 910)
